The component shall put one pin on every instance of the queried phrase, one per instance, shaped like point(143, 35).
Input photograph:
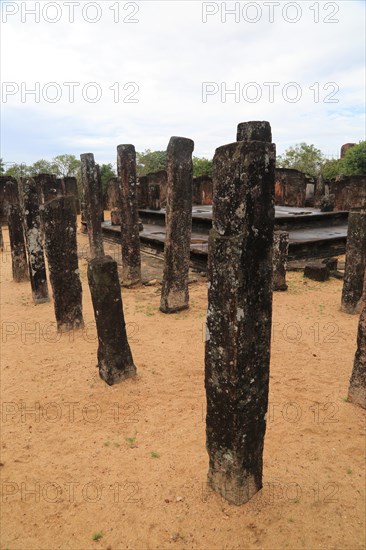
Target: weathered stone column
point(174, 292)
point(70, 187)
point(355, 262)
point(33, 231)
point(239, 316)
point(47, 187)
point(61, 249)
point(130, 237)
point(114, 355)
point(16, 233)
point(254, 131)
point(92, 206)
point(100, 187)
point(280, 253)
point(357, 385)
point(154, 196)
point(83, 225)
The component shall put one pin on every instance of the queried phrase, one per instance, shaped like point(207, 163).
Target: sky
point(87, 76)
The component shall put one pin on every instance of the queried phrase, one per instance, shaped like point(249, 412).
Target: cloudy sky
point(86, 76)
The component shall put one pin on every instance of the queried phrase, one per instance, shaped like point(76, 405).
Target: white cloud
point(169, 53)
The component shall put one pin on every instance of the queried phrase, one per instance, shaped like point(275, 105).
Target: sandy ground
point(127, 464)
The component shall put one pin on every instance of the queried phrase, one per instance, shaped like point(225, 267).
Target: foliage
point(106, 172)
point(332, 168)
point(42, 167)
point(2, 169)
point(66, 165)
point(354, 161)
point(18, 170)
point(303, 157)
point(150, 161)
point(202, 166)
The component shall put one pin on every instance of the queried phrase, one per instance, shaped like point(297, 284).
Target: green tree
point(42, 167)
point(332, 168)
point(150, 161)
point(303, 157)
point(106, 172)
point(66, 165)
point(2, 169)
point(202, 166)
point(354, 161)
point(18, 170)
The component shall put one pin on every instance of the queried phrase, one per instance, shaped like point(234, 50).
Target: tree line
point(303, 157)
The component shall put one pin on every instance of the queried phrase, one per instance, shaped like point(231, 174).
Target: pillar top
point(254, 131)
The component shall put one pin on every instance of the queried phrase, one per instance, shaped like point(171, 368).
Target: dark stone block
point(317, 272)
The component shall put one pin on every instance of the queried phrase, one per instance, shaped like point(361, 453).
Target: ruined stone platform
point(313, 234)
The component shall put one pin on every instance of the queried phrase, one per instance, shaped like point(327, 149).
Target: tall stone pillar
point(254, 131)
point(357, 385)
point(33, 231)
point(16, 232)
point(92, 206)
point(70, 187)
point(239, 315)
point(174, 292)
point(114, 355)
point(100, 187)
point(280, 253)
point(61, 249)
point(130, 237)
point(355, 262)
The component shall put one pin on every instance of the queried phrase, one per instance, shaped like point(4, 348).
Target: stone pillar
point(254, 131)
point(100, 187)
point(280, 253)
point(239, 316)
point(357, 384)
point(174, 292)
point(114, 355)
point(154, 196)
point(16, 233)
point(47, 186)
point(83, 224)
point(61, 249)
point(70, 187)
point(130, 237)
point(33, 231)
point(355, 262)
point(92, 206)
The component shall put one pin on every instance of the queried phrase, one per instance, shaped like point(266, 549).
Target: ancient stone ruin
point(33, 231)
point(355, 262)
point(239, 312)
point(202, 190)
point(280, 253)
point(61, 249)
point(357, 385)
point(92, 205)
point(130, 237)
point(16, 233)
point(174, 292)
point(114, 355)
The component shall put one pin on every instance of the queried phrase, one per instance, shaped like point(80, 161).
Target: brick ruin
point(349, 192)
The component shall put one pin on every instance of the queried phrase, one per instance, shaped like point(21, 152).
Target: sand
point(127, 464)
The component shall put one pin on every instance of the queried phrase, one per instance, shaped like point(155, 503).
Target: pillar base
point(230, 489)
point(117, 376)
